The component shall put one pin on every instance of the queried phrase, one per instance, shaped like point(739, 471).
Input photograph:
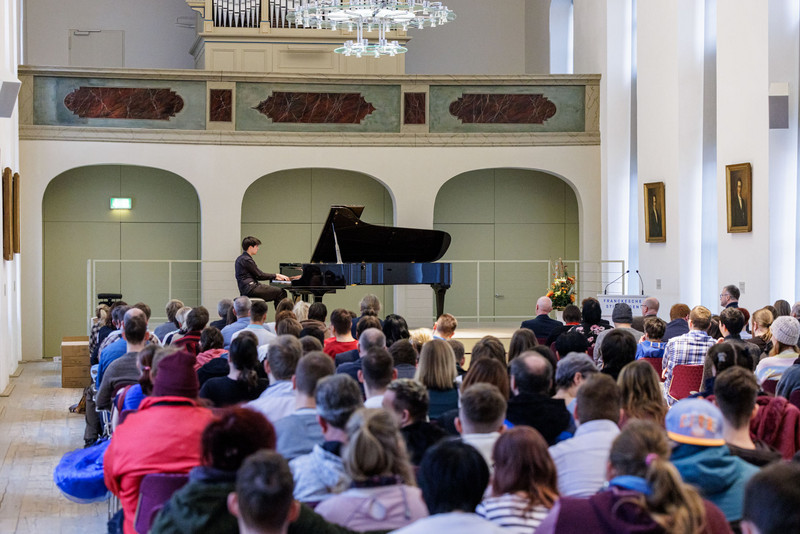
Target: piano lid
point(360, 242)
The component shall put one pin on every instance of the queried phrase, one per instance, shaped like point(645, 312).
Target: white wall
point(603, 45)
point(413, 179)
point(743, 136)
point(152, 39)
point(670, 120)
point(9, 157)
point(485, 38)
point(537, 37)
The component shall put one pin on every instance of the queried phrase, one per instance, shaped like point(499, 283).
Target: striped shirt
point(513, 513)
point(688, 349)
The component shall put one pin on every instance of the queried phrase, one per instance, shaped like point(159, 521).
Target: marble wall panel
point(119, 103)
point(333, 109)
point(220, 105)
point(414, 108)
point(507, 108)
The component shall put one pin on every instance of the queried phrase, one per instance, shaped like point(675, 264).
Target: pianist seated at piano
point(248, 274)
point(342, 339)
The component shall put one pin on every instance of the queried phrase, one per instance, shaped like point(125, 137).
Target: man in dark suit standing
point(738, 206)
point(542, 325)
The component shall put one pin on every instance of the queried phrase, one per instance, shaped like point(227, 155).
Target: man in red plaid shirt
point(690, 348)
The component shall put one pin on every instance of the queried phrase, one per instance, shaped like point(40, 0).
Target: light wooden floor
point(36, 429)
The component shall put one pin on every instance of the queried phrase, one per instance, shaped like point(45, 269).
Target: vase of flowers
point(562, 290)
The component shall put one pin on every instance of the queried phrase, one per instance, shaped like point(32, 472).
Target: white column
point(784, 44)
point(670, 120)
point(743, 136)
point(603, 45)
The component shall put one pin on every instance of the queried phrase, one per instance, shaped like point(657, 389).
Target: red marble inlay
point(503, 109)
point(124, 103)
point(327, 108)
point(220, 105)
point(414, 112)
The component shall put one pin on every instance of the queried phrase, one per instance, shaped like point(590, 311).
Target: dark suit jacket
point(549, 416)
point(738, 215)
point(346, 357)
point(542, 325)
point(676, 328)
point(352, 369)
point(638, 323)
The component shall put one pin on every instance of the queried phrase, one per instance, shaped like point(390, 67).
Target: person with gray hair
point(241, 306)
point(278, 399)
point(571, 371)
point(320, 473)
point(171, 309)
point(223, 307)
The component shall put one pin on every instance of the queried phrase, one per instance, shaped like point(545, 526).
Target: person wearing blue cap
point(702, 457)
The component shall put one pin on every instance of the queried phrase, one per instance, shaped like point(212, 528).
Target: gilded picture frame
point(739, 197)
point(655, 222)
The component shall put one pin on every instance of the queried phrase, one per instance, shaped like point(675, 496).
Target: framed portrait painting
point(739, 195)
point(655, 225)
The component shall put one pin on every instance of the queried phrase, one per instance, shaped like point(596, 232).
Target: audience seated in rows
point(320, 474)
point(592, 322)
point(180, 322)
point(405, 357)
point(649, 308)
point(224, 306)
point(241, 307)
point(542, 325)
point(652, 344)
point(123, 370)
point(572, 317)
point(480, 418)
point(201, 505)
point(483, 371)
point(619, 349)
point(785, 333)
point(383, 493)
point(530, 404)
point(277, 401)
point(688, 349)
point(523, 339)
point(571, 371)
point(348, 356)
point(644, 493)
point(395, 328)
point(315, 319)
point(640, 394)
point(211, 346)
point(407, 400)
point(343, 339)
point(369, 305)
point(444, 327)
point(452, 477)
point(171, 309)
point(772, 501)
point(678, 322)
point(299, 431)
point(377, 371)
point(196, 321)
point(581, 460)
point(437, 372)
point(622, 317)
point(702, 457)
point(523, 485)
point(258, 316)
point(370, 338)
point(162, 436)
point(242, 383)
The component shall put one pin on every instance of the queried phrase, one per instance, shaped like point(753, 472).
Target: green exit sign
point(121, 203)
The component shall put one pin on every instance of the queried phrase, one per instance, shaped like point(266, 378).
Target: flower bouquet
point(562, 291)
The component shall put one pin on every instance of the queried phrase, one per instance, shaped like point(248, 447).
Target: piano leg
point(439, 290)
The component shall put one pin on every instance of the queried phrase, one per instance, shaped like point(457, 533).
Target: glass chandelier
point(370, 15)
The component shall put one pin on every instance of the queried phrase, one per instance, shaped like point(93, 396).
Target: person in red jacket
point(163, 436)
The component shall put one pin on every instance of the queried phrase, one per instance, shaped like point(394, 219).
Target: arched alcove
point(286, 211)
point(78, 224)
point(505, 215)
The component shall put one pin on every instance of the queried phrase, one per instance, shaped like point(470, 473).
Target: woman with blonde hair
point(383, 494)
point(645, 494)
point(762, 335)
point(437, 372)
point(641, 393)
point(524, 486)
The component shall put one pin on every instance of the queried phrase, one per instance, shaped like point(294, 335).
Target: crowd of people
point(353, 423)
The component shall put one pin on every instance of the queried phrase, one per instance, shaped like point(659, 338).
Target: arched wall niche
point(505, 214)
point(78, 225)
point(286, 210)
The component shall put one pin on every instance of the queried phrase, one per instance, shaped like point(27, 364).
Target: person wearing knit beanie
point(176, 377)
point(785, 334)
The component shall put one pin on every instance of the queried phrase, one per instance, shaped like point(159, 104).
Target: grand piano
point(352, 252)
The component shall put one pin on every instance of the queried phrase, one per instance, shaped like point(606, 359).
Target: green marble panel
point(385, 98)
point(49, 93)
point(569, 101)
